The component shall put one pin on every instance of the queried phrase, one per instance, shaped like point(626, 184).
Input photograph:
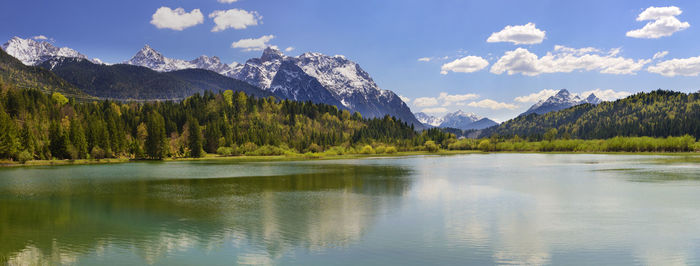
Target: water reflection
point(332, 205)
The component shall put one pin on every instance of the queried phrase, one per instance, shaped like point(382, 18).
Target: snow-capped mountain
point(150, 58)
point(341, 79)
point(458, 119)
point(562, 100)
point(32, 52)
point(309, 77)
point(429, 120)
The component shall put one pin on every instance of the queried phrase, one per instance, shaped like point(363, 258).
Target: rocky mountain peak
point(32, 52)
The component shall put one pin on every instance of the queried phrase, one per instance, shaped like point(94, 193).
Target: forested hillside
point(655, 114)
point(13, 71)
point(35, 125)
point(124, 82)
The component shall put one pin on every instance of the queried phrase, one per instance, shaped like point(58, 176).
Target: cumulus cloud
point(250, 44)
point(606, 95)
point(465, 64)
point(566, 59)
point(289, 49)
point(537, 96)
point(663, 23)
point(660, 55)
point(491, 104)
point(234, 18)
point(424, 59)
point(518, 34)
point(435, 110)
point(177, 19)
point(227, 1)
point(425, 101)
point(40, 37)
point(677, 67)
point(448, 99)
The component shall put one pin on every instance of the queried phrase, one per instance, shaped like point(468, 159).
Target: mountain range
point(309, 77)
point(562, 100)
point(459, 119)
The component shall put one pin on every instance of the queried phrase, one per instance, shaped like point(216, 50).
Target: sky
point(493, 58)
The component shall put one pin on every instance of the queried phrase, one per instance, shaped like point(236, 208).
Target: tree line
point(36, 125)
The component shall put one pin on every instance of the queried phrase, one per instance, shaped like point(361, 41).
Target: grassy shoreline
point(302, 157)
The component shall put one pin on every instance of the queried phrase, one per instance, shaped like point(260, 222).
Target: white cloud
point(565, 59)
point(425, 101)
point(537, 96)
point(491, 104)
point(40, 37)
point(227, 1)
point(465, 64)
point(448, 99)
point(435, 110)
point(234, 18)
point(677, 67)
point(654, 13)
point(660, 55)
point(518, 34)
point(253, 44)
point(424, 59)
point(606, 95)
point(289, 49)
point(177, 19)
point(405, 99)
point(664, 23)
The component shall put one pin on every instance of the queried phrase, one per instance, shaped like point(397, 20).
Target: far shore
point(303, 157)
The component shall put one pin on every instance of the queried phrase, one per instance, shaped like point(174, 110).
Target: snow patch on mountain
point(32, 52)
point(459, 119)
point(562, 100)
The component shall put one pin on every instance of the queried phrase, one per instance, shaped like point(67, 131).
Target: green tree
point(194, 141)
point(58, 142)
point(156, 143)
point(59, 98)
point(9, 143)
point(77, 138)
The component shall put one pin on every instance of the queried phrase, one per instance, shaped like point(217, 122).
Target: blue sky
point(388, 37)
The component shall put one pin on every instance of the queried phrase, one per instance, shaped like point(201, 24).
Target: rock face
point(32, 52)
point(562, 100)
point(459, 119)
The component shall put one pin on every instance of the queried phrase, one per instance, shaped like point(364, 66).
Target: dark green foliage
point(156, 146)
point(655, 114)
point(194, 141)
point(123, 81)
point(237, 124)
point(58, 142)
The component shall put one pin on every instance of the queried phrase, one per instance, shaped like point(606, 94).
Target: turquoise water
point(466, 209)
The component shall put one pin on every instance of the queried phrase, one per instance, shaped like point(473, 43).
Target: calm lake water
point(467, 209)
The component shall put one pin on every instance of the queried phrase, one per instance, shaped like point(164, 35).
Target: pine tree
point(156, 145)
point(9, 143)
point(58, 143)
point(194, 141)
point(77, 138)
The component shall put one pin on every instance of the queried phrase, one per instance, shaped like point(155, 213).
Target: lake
point(422, 210)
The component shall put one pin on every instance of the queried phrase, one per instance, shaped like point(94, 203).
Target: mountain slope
point(655, 114)
point(150, 58)
point(292, 83)
point(562, 100)
point(429, 120)
point(134, 82)
point(13, 71)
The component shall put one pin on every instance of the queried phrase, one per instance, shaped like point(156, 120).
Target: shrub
point(391, 150)
point(225, 151)
point(314, 148)
point(485, 145)
point(367, 149)
point(380, 149)
point(97, 153)
point(248, 147)
point(267, 150)
point(430, 146)
point(24, 156)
